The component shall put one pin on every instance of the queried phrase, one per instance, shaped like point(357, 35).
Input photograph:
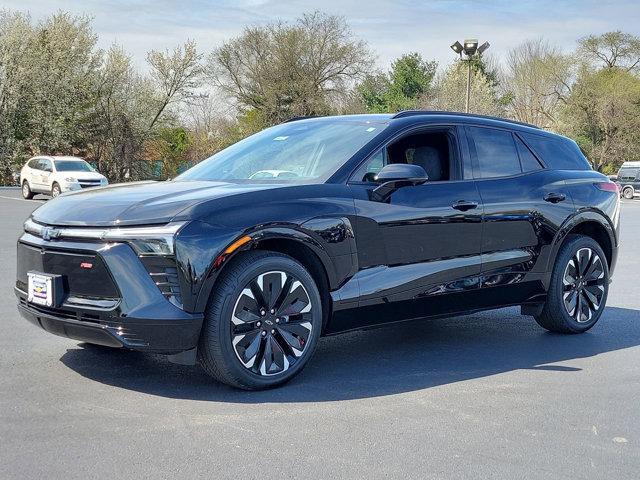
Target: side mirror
point(397, 175)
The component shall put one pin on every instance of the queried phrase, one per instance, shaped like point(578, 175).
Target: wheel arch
point(592, 224)
point(292, 242)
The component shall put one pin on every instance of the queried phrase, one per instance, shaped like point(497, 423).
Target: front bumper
point(130, 312)
point(160, 336)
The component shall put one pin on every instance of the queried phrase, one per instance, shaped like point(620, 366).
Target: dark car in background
point(371, 219)
point(628, 179)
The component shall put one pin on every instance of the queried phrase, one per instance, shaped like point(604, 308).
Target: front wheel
point(262, 322)
point(579, 286)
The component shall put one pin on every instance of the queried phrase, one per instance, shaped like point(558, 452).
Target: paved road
point(489, 395)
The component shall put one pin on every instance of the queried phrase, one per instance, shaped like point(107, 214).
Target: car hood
point(141, 203)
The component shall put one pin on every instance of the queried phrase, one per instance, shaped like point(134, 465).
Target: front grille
point(93, 282)
point(164, 274)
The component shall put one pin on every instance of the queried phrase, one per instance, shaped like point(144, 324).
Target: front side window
point(46, 165)
point(496, 152)
point(308, 151)
point(432, 150)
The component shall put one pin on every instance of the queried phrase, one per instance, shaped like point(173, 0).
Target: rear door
point(47, 174)
point(34, 176)
point(524, 205)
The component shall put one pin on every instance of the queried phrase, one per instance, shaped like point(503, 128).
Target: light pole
point(470, 48)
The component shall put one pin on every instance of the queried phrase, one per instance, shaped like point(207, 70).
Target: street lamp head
point(483, 47)
point(470, 47)
point(457, 47)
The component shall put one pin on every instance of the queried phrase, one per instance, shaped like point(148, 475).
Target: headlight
point(70, 179)
point(144, 240)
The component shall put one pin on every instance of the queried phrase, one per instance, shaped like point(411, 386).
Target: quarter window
point(496, 152)
point(557, 152)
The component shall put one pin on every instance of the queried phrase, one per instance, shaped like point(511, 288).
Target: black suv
point(323, 225)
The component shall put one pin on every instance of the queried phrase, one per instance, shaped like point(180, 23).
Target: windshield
point(301, 151)
point(72, 166)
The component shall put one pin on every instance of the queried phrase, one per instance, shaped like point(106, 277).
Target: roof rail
point(410, 113)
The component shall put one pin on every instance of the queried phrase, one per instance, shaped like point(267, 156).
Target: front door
point(424, 243)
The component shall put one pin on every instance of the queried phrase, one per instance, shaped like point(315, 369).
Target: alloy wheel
point(55, 192)
point(25, 190)
point(272, 323)
point(583, 285)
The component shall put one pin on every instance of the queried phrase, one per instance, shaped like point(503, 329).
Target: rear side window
point(628, 174)
point(528, 160)
point(557, 153)
point(496, 152)
point(34, 163)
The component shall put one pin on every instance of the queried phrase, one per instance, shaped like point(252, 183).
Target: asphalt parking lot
point(490, 395)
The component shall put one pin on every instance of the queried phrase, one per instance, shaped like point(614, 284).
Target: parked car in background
point(55, 175)
point(389, 218)
point(629, 180)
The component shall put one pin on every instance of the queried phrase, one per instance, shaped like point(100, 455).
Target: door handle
point(464, 205)
point(554, 197)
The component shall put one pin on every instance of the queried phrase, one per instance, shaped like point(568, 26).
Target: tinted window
point(557, 153)
point(496, 151)
point(528, 160)
point(34, 163)
point(627, 174)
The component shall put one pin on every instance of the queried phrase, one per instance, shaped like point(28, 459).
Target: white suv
point(55, 175)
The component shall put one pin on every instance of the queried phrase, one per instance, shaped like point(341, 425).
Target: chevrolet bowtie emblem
point(48, 233)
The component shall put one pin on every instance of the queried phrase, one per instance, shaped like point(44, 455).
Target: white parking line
point(22, 199)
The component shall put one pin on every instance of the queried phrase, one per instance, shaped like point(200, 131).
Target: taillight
point(607, 186)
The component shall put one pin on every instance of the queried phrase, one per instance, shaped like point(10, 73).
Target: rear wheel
point(262, 322)
point(578, 289)
point(55, 190)
point(27, 194)
point(627, 193)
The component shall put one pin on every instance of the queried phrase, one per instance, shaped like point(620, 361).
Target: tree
point(401, 88)
point(603, 115)
point(133, 110)
point(537, 82)
point(282, 70)
point(612, 50)
point(46, 78)
point(449, 91)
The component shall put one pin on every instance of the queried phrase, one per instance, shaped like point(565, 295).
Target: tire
point(585, 289)
point(27, 194)
point(55, 190)
point(628, 193)
point(228, 342)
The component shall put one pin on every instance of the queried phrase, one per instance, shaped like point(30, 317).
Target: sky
point(390, 28)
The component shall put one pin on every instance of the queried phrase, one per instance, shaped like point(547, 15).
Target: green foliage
point(603, 115)
point(399, 89)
